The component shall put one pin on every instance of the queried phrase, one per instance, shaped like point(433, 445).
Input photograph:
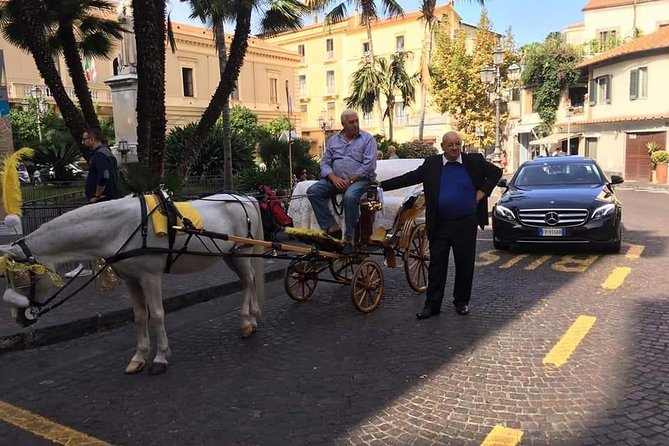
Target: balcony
point(330, 56)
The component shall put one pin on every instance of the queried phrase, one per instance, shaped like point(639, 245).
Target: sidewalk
point(92, 310)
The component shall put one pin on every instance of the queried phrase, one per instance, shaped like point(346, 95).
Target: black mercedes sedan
point(558, 200)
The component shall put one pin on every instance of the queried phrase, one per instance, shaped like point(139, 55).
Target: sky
point(531, 20)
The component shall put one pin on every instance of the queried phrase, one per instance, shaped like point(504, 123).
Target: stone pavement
point(91, 309)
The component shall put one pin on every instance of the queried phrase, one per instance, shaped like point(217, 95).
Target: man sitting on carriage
point(348, 166)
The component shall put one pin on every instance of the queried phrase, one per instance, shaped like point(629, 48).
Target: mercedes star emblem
point(552, 218)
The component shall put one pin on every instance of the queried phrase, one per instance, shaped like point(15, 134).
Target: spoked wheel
point(300, 280)
point(417, 258)
point(367, 286)
point(343, 268)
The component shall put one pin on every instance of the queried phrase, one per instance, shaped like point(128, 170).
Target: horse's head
point(28, 283)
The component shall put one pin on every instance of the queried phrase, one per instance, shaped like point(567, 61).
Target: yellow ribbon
point(7, 264)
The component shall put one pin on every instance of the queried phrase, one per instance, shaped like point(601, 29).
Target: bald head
point(451, 144)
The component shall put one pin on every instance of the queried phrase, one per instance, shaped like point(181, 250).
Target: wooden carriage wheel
point(343, 268)
point(300, 280)
point(416, 259)
point(367, 286)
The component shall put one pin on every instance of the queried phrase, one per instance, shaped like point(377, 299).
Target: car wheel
point(500, 245)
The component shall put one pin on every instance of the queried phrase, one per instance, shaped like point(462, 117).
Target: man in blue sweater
point(456, 186)
point(102, 179)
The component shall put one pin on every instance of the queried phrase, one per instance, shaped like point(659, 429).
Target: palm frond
point(283, 15)
point(336, 15)
point(170, 34)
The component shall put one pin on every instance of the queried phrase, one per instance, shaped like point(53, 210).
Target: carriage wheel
point(417, 258)
point(343, 268)
point(300, 280)
point(367, 286)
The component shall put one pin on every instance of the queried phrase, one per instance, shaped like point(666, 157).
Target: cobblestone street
point(321, 373)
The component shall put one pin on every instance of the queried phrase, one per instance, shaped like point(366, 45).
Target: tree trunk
point(225, 86)
point(425, 81)
point(391, 107)
point(377, 100)
point(149, 17)
point(76, 71)
point(31, 15)
point(228, 184)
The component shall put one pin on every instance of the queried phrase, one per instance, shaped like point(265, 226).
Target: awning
point(525, 128)
point(555, 138)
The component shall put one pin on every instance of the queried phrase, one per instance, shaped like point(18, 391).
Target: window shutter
point(608, 89)
point(634, 84)
point(592, 95)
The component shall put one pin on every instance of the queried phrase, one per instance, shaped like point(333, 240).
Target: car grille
point(553, 217)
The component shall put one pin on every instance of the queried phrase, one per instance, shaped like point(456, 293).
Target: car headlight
point(604, 211)
point(505, 213)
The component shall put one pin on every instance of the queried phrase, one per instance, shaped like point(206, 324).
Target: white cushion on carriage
point(303, 215)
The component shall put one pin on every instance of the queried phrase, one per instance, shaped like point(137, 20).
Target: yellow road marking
point(537, 263)
point(502, 436)
point(513, 261)
point(634, 251)
point(616, 278)
point(487, 258)
point(569, 341)
point(570, 264)
point(44, 428)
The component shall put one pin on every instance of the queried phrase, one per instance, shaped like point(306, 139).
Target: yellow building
point(191, 77)
point(329, 57)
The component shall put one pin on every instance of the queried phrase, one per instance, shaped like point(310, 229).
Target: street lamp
point(569, 112)
point(123, 149)
point(492, 76)
point(40, 107)
point(325, 125)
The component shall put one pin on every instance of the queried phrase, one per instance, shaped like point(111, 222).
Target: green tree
point(386, 80)
point(549, 68)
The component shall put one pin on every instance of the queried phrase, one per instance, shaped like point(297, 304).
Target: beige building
point(622, 103)
point(192, 75)
point(329, 57)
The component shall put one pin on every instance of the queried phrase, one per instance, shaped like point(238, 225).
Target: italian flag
point(89, 69)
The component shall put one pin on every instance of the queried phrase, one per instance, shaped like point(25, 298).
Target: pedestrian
point(379, 155)
point(348, 166)
point(391, 153)
point(101, 181)
point(37, 176)
point(456, 187)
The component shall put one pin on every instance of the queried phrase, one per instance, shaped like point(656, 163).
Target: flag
point(89, 69)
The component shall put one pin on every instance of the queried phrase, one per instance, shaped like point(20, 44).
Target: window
point(400, 113)
point(273, 90)
point(535, 102)
point(515, 94)
point(330, 82)
point(600, 90)
point(187, 79)
point(367, 119)
point(331, 108)
point(365, 49)
point(235, 92)
point(399, 43)
point(577, 95)
point(300, 51)
point(302, 83)
point(303, 108)
point(607, 39)
point(329, 49)
point(639, 83)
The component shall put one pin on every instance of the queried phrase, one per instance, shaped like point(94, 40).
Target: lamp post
point(123, 149)
point(36, 93)
point(569, 112)
point(492, 76)
point(325, 125)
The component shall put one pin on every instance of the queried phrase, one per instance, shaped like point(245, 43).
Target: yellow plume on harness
point(12, 199)
point(7, 264)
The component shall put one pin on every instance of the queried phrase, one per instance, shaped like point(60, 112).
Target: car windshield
point(558, 173)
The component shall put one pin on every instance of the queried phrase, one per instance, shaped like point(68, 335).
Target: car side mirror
point(616, 179)
point(502, 183)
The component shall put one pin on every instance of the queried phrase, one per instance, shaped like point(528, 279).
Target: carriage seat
point(159, 217)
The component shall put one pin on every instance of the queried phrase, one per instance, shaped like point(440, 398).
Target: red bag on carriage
point(273, 203)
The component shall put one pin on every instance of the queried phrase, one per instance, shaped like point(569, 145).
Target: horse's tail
point(259, 262)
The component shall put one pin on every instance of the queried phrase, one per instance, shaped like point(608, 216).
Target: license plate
point(551, 232)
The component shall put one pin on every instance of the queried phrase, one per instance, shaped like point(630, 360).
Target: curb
point(93, 324)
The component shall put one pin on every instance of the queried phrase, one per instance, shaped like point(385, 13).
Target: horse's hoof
point(134, 367)
point(247, 331)
point(158, 368)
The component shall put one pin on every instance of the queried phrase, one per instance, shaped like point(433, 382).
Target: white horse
point(100, 230)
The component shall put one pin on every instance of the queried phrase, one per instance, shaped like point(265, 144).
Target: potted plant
point(652, 147)
point(660, 159)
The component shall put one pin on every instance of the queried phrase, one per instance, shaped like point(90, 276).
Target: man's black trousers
point(460, 235)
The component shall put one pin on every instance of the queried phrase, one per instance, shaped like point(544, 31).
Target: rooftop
point(655, 41)
point(601, 4)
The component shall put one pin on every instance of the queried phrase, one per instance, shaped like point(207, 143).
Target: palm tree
point(388, 78)
point(368, 14)
point(26, 18)
point(216, 12)
point(72, 27)
point(276, 16)
point(427, 15)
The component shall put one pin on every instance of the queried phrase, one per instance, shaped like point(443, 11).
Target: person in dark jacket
point(102, 179)
point(456, 186)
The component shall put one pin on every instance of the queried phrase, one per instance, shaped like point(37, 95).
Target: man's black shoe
point(426, 313)
point(463, 310)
